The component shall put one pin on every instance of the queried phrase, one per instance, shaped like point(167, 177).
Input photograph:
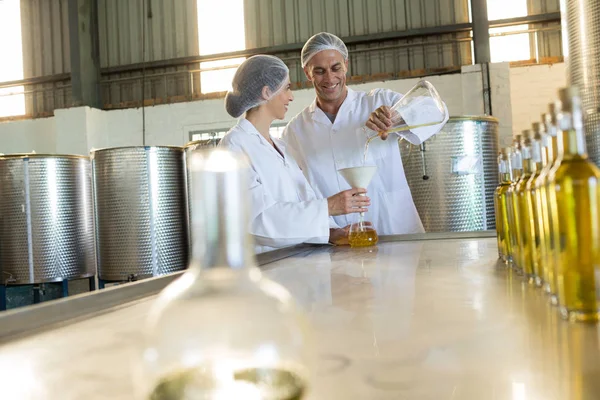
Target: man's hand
point(382, 119)
point(339, 236)
point(347, 202)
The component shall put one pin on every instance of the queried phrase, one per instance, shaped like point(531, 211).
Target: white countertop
point(435, 320)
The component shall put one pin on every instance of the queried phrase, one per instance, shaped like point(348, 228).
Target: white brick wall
point(532, 89)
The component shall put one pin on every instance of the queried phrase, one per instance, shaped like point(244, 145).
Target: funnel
point(358, 177)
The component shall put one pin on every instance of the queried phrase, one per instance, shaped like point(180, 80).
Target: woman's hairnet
point(322, 41)
point(249, 80)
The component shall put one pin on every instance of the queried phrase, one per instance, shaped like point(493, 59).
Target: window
point(225, 19)
point(505, 46)
point(12, 99)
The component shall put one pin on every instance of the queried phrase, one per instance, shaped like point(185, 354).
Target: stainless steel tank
point(46, 218)
point(581, 42)
point(141, 211)
point(453, 176)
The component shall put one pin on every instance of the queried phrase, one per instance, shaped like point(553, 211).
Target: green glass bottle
point(501, 205)
point(525, 261)
point(513, 210)
point(576, 187)
point(538, 161)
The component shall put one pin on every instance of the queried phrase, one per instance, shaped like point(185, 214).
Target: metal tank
point(140, 206)
point(581, 45)
point(46, 218)
point(453, 175)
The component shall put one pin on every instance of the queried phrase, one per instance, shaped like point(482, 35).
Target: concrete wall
point(519, 95)
point(532, 88)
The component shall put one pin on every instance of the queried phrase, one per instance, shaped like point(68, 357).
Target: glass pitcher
point(417, 115)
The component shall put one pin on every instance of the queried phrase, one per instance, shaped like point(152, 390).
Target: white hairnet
point(249, 80)
point(322, 41)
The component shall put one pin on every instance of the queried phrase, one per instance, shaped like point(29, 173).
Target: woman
point(284, 208)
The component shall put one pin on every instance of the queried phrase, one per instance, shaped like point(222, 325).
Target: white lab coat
point(284, 208)
point(322, 148)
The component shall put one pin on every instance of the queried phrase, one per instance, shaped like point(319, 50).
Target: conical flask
point(222, 331)
point(361, 233)
point(417, 115)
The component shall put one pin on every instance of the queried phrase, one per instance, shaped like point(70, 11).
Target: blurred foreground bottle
point(516, 163)
point(575, 184)
point(525, 217)
point(501, 205)
point(221, 331)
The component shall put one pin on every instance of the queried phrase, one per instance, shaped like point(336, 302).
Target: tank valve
point(424, 162)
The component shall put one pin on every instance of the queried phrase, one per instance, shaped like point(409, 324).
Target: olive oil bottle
point(549, 212)
point(541, 200)
point(498, 217)
point(576, 184)
point(521, 194)
point(538, 161)
point(501, 205)
point(511, 198)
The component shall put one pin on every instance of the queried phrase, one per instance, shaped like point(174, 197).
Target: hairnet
point(322, 41)
point(252, 75)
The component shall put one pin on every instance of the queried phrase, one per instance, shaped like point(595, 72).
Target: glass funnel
point(222, 331)
point(417, 115)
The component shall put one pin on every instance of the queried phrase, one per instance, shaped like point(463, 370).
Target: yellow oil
point(514, 222)
point(501, 213)
point(363, 238)
point(551, 224)
point(255, 383)
point(528, 240)
point(548, 214)
point(541, 217)
point(498, 216)
point(502, 223)
point(539, 161)
point(513, 204)
point(525, 218)
point(577, 189)
point(540, 229)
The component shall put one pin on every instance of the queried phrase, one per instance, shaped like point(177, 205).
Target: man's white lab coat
point(321, 148)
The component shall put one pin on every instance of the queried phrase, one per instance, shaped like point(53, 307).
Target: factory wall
point(532, 88)
point(519, 95)
point(279, 22)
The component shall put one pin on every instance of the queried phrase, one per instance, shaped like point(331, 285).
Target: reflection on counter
point(437, 319)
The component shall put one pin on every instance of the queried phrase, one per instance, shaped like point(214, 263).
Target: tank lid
point(38, 155)
point(178, 148)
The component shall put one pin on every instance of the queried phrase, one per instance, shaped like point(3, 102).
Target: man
point(328, 136)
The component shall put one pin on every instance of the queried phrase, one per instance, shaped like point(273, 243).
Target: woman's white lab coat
point(321, 148)
point(284, 208)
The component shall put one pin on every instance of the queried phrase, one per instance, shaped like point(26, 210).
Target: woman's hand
point(347, 202)
point(339, 236)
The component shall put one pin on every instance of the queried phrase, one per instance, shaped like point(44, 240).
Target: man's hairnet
point(252, 75)
point(322, 41)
